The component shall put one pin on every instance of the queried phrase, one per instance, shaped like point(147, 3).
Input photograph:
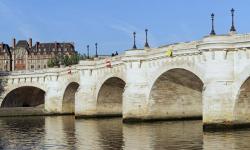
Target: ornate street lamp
point(134, 46)
point(212, 31)
point(146, 43)
point(232, 27)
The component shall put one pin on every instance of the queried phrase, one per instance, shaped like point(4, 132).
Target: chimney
point(30, 43)
point(56, 45)
point(14, 42)
point(37, 45)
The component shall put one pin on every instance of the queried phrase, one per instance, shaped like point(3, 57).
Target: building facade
point(5, 57)
point(23, 55)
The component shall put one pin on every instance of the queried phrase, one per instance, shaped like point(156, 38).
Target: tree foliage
point(64, 60)
point(53, 62)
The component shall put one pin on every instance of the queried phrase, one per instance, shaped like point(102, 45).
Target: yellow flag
point(169, 52)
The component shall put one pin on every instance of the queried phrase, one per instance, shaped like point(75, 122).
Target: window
point(44, 66)
point(32, 66)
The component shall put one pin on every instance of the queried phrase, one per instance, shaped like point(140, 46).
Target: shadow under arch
point(241, 96)
point(176, 94)
point(25, 96)
point(109, 98)
point(242, 103)
point(68, 103)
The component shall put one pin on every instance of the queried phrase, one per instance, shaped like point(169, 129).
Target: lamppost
point(134, 46)
point(146, 43)
point(96, 54)
point(87, 51)
point(212, 31)
point(232, 27)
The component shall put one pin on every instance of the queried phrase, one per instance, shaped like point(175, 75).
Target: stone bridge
point(206, 79)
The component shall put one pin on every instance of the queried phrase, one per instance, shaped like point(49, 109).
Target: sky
point(110, 23)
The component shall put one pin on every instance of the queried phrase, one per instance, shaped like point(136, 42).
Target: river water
point(64, 132)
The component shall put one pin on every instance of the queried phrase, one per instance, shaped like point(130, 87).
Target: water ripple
point(65, 132)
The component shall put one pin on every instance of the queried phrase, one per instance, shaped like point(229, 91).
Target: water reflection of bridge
point(68, 133)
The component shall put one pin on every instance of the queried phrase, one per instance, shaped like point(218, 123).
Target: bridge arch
point(176, 92)
point(24, 96)
point(241, 95)
point(68, 102)
point(241, 78)
point(109, 95)
point(103, 79)
point(193, 69)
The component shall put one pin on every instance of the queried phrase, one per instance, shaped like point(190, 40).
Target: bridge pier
point(218, 92)
point(134, 103)
point(53, 98)
point(218, 104)
point(85, 99)
point(85, 102)
point(136, 89)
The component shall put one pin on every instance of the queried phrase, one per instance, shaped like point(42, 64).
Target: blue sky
point(110, 23)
